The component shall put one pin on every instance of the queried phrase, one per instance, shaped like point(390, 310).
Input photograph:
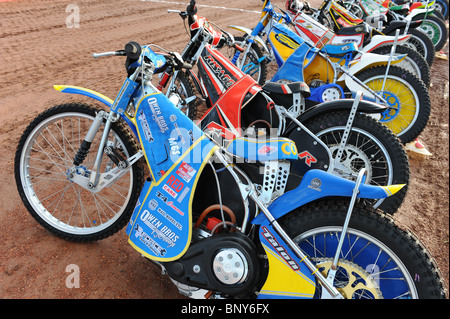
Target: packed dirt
point(40, 46)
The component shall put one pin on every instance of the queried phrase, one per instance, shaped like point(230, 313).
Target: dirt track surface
point(38, 50)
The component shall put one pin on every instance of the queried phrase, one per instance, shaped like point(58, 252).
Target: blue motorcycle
point(85, 173)
point(335, 71)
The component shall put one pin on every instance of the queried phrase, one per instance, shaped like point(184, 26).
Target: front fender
point(96, 96)
point(339, 105)
point(83, 91)
point(317, 184)
point(417, 12)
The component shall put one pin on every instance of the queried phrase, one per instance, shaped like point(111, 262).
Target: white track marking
point(203, 6)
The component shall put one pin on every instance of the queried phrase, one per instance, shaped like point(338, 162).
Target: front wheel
point(378, 259)
point(370, 145)
point(42, 162)
point(407, 97)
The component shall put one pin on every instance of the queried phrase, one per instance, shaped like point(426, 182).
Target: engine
point(226, 263)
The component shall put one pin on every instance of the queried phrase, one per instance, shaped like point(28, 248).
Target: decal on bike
point(287, 41)
point(309, 158)
point(279, 249)
point(145, 127)
point(186, 172)
point(159, 119)
point(289, 148)
point(288, 277)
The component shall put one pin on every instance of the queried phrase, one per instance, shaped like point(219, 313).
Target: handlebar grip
point(187, 66)
point(133, 50)
point(191, 8)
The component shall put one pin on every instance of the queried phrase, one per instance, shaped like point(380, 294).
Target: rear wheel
point(435, 29)
point(370, 145)
point(420, 42)
point(408, 100)
point(378, 260)
point(413, 62)
point(42, 162)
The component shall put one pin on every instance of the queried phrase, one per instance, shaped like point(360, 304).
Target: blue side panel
point(160, 227)
point(176, 151)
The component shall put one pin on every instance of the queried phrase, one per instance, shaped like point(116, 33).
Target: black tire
point(412, 57)
point(36, 159)
point(370, 145)
point(254, 55)
point(434, 28)
point(421, 43)
point(316, 228)
point(412, 103)
point(442, 7)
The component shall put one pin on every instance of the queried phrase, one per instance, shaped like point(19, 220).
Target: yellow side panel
point(284, 45)
point(319, 69)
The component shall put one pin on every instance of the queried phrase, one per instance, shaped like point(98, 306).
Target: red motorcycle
point(334, 136)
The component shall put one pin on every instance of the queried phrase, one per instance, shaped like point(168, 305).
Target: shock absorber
point(86, 144)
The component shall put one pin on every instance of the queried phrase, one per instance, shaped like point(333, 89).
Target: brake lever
point(183, 14)
point(105, 54)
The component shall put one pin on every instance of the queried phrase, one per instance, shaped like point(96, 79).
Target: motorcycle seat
point(263, 149)
point(355, 29)
point(290, 88)
point(339, 49)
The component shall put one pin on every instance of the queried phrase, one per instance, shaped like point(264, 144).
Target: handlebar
point(132, 51)
point(105, 54)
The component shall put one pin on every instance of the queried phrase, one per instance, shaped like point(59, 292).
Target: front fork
point(95, 181)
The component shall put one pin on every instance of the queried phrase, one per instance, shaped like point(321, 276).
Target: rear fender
point(339, 105)
point(317, 184)
point(416, 12)
point(384, 40)
point(366, 61)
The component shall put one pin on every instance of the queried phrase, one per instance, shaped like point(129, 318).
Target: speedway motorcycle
point(80, 173)
point(318, 35)
point(332, 68)
point(433, 24)
point(334, 136)
point(335, 16)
